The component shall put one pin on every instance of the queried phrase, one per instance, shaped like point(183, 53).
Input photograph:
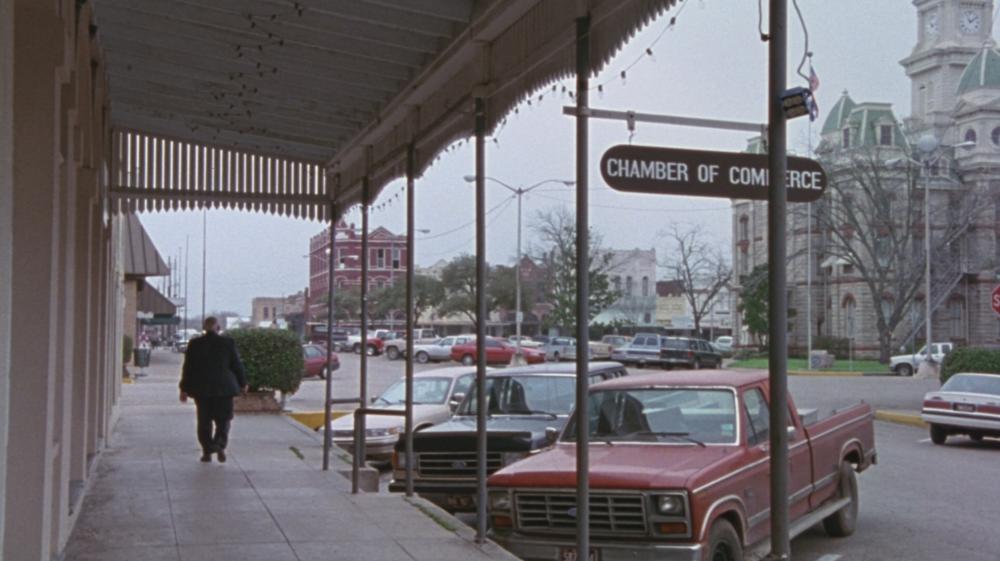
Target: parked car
point(526, 342)
point(436, 394)
point(395, 348)
point(559, 348)
point(316, 333)
point(440, 349)
point(498, 351)
point(314, 357)
point(724, 344)
point(906, 365)
point(375, 344)
point(968, 403)
point(527, 406)
point(679, 470)
point(642, 351)
point(616, 341)
point(686, 352)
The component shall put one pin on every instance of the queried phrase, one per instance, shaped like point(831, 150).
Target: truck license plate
point(965, 407)
point(569, 554)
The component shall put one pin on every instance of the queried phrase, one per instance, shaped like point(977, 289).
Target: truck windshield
point(973, 383)
point(660, 415)
point(425, 391)
point(524, 395)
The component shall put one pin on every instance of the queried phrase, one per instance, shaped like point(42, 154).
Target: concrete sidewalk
point(152, 500)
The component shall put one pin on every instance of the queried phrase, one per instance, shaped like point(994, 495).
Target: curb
point(314, 419)
point(462, 530)
point(901, 418)
point(838, 373)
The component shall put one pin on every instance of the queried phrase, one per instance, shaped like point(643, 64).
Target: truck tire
point(468, 360)
point(904, 369)
point(392, 353)
point(423, 358)
point(843, 522)
point(724, 543)
point(323, 372)
point(356, 348)
point(938, 434)
point(371, 350)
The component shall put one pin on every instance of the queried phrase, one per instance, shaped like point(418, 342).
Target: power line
point(640, 209)
point(502, 207)
point(467, 224)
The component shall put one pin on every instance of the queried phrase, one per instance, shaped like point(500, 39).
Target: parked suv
point(686, 352)
point(643, 350)
point(395, 348)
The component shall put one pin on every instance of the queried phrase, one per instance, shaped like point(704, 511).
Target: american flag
point(813, 79)
point(813, 86)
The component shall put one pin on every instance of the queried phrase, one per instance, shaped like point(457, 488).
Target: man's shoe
point(222, 456)
point(206, 457)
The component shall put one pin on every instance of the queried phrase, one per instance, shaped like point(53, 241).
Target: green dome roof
point(983, 70)
point(838, 114)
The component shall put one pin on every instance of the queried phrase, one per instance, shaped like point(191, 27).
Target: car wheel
point(356, 348)
point(392, 353)
point(724, 543)
point(904, 370)
point(423, 357)
point(468, 360)
point(371, 351)
point(938, 434)
point(843, 522)
point(323, 372)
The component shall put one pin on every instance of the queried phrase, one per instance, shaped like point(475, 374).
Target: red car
point(314, 357)
point(679, 469)
point(497, 352)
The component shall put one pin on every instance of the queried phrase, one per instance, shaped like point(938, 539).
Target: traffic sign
point(996, 300)
point(704, 173)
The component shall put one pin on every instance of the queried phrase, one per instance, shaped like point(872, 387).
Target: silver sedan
point(967, 403)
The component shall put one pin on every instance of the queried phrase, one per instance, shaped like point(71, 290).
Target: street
point(921, 502)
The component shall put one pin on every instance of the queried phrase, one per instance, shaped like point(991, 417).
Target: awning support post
point(582, 288)
point(480, 110)
point(328, 389)
point(410, 312)
point(359, 441)
point(776, 292)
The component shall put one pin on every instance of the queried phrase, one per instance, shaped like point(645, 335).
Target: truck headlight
point(508, 458)
point(382, 432)
point(499, 500)
point(672, 505)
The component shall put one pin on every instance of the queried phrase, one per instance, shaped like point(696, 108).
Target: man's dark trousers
point(217, 411)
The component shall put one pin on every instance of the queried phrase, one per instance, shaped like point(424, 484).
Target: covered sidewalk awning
point(259, 104)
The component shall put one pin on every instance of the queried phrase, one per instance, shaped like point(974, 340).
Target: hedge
point(272, 358)
point(970, 359)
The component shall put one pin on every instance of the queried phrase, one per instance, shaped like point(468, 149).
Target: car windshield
point(524, 395)
point(661, 415)
point(425, 391)
point(972, 383)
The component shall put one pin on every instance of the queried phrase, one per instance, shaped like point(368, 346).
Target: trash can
point(140, 357)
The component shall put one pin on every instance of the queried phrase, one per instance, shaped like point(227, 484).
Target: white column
point(6, 232)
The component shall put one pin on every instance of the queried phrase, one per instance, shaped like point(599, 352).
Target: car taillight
point(935, 403)
point(690, 354)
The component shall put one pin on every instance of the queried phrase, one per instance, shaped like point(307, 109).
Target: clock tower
point(949, 34)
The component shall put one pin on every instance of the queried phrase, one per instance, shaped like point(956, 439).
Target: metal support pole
point(925, 169)
point(809, 283)
point(359, 433)
point(519, 314)
point(777, 295)
point(582, 289)
point(204, 260)
point(480, 109)
point(411, 167)
point(328, 389)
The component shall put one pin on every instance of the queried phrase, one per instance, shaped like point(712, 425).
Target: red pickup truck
point(679, 469)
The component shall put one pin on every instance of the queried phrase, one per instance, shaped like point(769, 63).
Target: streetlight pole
point(519, 192)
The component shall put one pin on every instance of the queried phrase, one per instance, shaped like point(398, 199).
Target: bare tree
point(872, 219)
point(699, 265)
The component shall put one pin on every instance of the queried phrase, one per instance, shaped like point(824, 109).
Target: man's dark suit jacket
point(212, 368)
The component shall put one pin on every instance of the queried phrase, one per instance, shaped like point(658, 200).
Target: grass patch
point(297, 452)
point(803, 364)
point(444, 523)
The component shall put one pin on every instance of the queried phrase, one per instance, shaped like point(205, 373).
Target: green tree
point(754, 303)
point(427, 291)
point(503, 288)
point(459, 281)
point(557, 232)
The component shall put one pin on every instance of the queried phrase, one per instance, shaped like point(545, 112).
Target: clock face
point(969, 21)
point(931, 23)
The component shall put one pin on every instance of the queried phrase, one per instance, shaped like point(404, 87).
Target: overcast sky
point(710, 64)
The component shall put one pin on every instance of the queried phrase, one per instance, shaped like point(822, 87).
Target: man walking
point(212, 375)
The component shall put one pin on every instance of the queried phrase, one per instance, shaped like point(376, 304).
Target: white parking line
point(924, 440)
point(830, 557)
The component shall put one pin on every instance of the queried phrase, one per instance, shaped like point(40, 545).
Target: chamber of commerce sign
point(701, 173)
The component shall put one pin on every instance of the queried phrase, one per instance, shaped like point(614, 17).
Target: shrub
point(272, 358)
point(127, 345)
point(970, 359)
point(839, 347)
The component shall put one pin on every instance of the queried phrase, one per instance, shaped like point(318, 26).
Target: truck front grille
point(611, 514)
point(454, 465)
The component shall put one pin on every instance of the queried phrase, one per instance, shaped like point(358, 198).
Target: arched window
point(645, 286)
point(628, 286)
point(970, 135)
point(995, 136)
point(850, 316)
point(846, 137)
point(744, 227)
point(956, 317)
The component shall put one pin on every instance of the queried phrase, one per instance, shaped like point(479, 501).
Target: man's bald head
point(210, 325)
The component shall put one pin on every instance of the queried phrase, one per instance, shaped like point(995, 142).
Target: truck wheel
point(724, 543)
point(938, 434)
point(904, 370)
point(356, 348)
point(423, 358)
point(842, 523)
point(468, 360)
point(371, 351)
point(323, 372)
point(392, 353)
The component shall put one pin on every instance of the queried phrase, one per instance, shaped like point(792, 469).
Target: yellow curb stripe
point(128, 381)
point(314, 419)
point(911, 419)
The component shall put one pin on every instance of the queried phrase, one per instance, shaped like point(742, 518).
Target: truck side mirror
point(551, 434)
point(456, 400)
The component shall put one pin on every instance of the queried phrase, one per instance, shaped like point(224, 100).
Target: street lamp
point(927, 144)
point(519, 191)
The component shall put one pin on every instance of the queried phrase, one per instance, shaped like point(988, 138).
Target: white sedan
point(436, 393)
point(967, 404)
